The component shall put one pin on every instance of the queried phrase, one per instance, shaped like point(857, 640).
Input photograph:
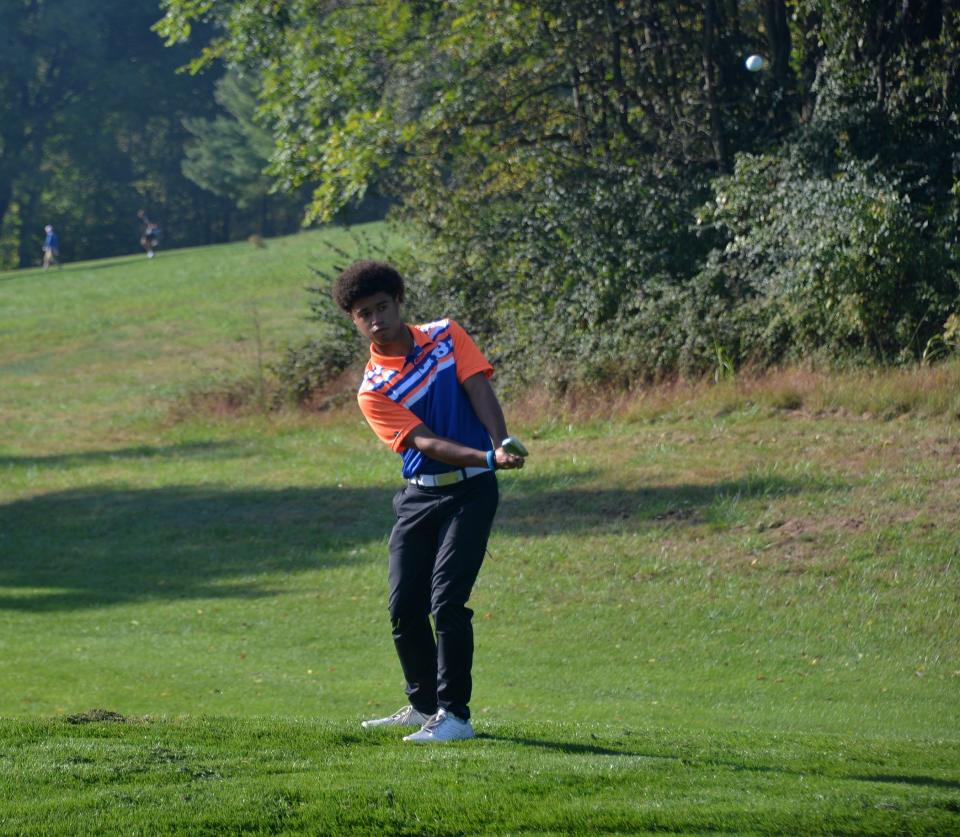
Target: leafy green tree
point(842, 241)
point(228, 154)
point(428, 92)
point(553, 154)
point(46, 66)
point(91, 130)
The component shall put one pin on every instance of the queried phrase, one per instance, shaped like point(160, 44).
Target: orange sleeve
point(469, 358)
point(389, 420)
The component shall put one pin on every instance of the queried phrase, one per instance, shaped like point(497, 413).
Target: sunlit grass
point(273, 775)
point(724, 607)
point(922, 391)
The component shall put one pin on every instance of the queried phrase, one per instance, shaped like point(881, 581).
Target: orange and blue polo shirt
point(425, 387)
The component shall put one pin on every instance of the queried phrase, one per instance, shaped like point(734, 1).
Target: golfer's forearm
point(446, 450)
point(487, 407)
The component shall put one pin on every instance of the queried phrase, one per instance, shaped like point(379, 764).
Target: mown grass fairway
point(273, 775)
point(700, 620)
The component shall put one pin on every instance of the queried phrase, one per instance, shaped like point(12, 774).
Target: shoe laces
point(402, 714)
point(435, 721)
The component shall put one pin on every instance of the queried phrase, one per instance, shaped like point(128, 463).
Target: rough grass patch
point(872, 393)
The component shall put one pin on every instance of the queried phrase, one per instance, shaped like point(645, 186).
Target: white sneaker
point(406, 717)
point(442, 727)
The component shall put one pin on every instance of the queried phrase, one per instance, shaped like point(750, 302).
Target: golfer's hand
point(506, 461)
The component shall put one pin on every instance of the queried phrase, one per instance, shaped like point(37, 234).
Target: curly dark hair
point(365, 279)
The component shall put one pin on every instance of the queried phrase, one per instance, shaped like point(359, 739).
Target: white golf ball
point(754, 63)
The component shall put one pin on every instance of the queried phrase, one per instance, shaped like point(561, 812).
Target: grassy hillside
point(96, 350)
point(718, 609)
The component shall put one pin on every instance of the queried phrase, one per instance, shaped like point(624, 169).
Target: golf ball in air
point(754, 63)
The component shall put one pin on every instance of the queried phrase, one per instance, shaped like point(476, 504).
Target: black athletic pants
point(436, 549)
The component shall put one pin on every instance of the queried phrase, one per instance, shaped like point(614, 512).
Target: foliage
point(815, 264)
point(309, 370)
point(434, 93)
point(91, 130)
point(311, 366)
point(228, 154)
point(944, 344)
point(551, 277)
point(553, 155)
point(89, 118)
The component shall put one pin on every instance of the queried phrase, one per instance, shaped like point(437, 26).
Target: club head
point(515, 446)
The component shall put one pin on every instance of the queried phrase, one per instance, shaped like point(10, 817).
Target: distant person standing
point(150, 236)
point(51, 247)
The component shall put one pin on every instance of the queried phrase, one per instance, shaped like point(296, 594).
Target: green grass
point(712, 614)
point(274, 775)
point(99, 349)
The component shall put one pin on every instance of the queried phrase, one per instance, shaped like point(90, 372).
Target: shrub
point(814, 264)
point(317, 366)
point(575, 280)
point(313, 366)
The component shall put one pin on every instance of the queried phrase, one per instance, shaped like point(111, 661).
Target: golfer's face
point(378, 318)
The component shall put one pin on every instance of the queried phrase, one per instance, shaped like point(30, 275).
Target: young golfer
point(426, 394)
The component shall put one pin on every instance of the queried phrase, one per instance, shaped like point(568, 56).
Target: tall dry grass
point(872, 393)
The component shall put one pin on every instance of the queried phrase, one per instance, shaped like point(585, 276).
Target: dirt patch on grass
point(96, 716)
point(942, 447)
point(809, 528)
point(802, 539)
point(680, 514)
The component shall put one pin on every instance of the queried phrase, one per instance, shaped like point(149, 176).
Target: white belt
point(448, 478)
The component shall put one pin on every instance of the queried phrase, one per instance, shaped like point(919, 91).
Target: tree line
point(97, 123)
point(606, 181)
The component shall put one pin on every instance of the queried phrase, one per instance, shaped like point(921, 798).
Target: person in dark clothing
point(150, 234)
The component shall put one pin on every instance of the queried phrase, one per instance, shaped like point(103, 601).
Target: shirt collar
point(397, 362)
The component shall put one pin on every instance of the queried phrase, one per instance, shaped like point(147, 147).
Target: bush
point(814, 265)
point(313, 366)
point(574, 280)
point(611, 275)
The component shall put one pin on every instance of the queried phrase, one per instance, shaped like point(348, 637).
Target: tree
point(228, 154)
point(43, 71)
point(91, 130)
point(553, 154)
point(360, 91)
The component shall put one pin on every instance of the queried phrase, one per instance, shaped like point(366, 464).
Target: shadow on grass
point(99, 457)
point(93, 547)
point(72, 267)
point(925, 781)
point(577, 748)
point(117, 261)
point(99, 546)
point(106, 264)
point(571, 747)
point(539, 507)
